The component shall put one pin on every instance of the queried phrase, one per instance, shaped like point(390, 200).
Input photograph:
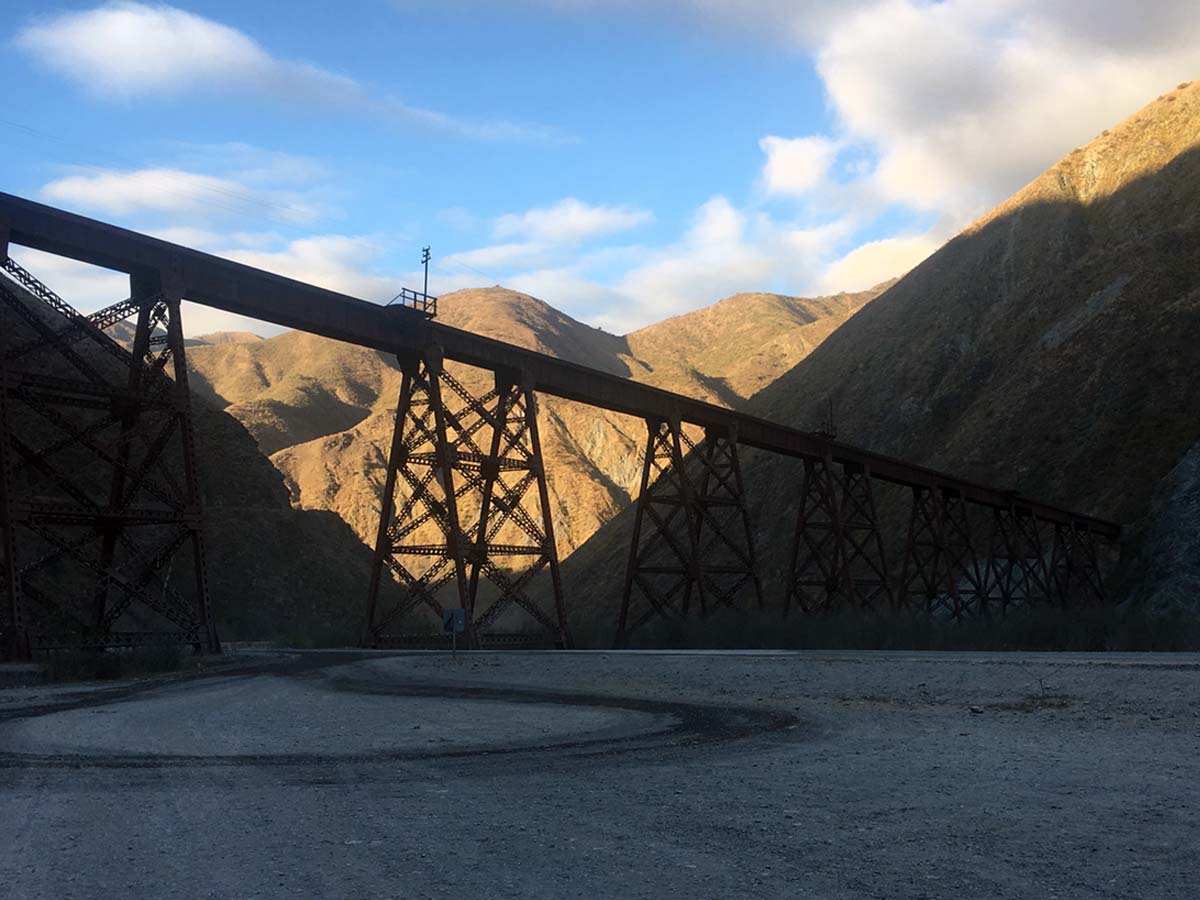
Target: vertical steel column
point(1035, 571)
point(692, 517)
point(490, 467)
point(999, 579)
point(926, 578)
point(965, 580)
point(147, 292)
point(383, 538)
point(1093, 575)
point(16, 643)
point(539, 463)
point(446, 456)
point(722, 489)
point(509, 529)
point(624, 626)
point(194, 504)
point(818, 574)
point(864, 563)
point(1075, 567)
point(422, 456)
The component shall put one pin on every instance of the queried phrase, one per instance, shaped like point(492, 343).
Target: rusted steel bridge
point(100, 505)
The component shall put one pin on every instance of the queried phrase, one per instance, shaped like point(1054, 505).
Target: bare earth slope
point(324, 410)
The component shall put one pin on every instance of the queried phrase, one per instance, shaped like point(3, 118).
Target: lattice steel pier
point(100, 507)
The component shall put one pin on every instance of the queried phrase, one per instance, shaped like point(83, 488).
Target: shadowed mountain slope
point(1050, 348)
point(274, 572)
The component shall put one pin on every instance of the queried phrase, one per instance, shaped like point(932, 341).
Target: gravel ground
point(722, 775)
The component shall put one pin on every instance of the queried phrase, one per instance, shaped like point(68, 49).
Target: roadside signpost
point(454, 621)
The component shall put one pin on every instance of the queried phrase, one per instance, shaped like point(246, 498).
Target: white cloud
point(571, 220)
point(515, 254)
point(960, 102)
point(171, 190)
point(567, 289)
point(723, 252)
point(788, 21)
point(90, 288)
point(345, 263)
point(127, 50)
point(131, 50)
point(877, 261)
point(965, 101)
point(87, 288)
point(797, 165)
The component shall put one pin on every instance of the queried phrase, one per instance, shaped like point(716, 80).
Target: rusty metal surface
point(474, 523)
point(488, 509)
point(98, 490)
point(241, 289)
point(692, 549)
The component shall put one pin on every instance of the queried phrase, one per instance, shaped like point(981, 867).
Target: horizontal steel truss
point(692, 546)
point(92, 514)
point(449, 447)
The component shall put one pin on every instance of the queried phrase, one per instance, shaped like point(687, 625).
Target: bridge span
point(465, 469)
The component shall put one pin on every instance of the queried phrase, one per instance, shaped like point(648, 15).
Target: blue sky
point(625, 161)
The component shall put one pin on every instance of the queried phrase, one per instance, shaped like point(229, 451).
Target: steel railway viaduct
point(101, 513)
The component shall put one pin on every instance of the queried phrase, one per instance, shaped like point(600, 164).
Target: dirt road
point(624, 775)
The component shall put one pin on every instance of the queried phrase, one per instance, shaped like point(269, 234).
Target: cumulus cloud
point(89, 288)
point(345, 263)
point(723, 252)
point(571, 220)
point(877, 261)
point(958, 102)
point(129, 50)
point(796, 165)
point(998, 90)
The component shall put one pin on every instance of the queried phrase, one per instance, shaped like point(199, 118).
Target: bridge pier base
point(457, 515)
point(692, 545)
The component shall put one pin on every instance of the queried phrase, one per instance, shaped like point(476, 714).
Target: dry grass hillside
point(727, 352)
point(1050, 347)
point(324, 410)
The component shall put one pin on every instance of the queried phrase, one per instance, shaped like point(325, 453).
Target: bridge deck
point(237, 288)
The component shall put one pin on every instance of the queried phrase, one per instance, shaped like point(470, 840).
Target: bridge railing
point(415, 300)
